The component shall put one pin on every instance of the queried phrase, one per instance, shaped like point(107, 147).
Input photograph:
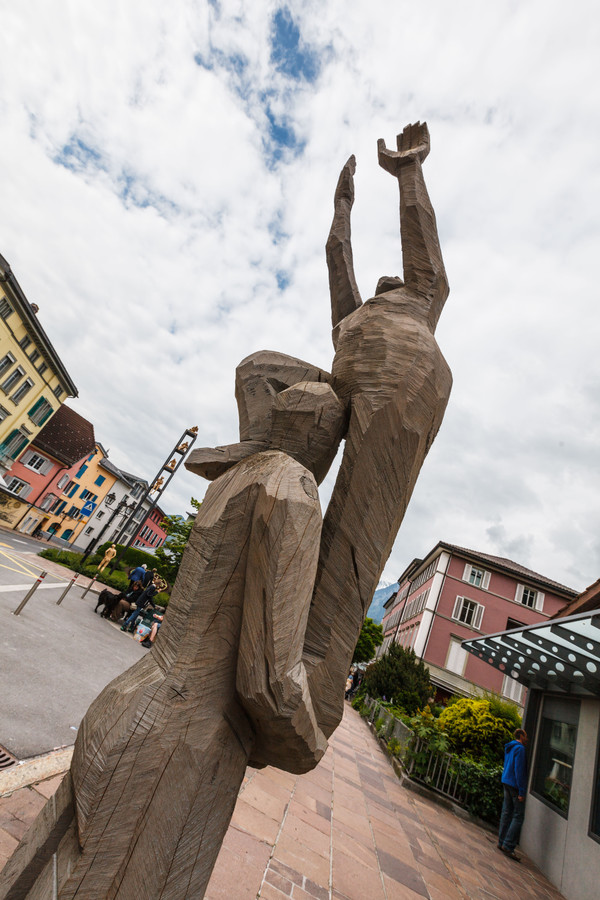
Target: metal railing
point(438, 773)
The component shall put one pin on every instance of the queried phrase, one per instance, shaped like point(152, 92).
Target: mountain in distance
point(383, 593)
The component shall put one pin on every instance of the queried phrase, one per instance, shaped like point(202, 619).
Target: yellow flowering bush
point(474, 731)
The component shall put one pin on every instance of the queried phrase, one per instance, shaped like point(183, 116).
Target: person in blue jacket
point(514, 781)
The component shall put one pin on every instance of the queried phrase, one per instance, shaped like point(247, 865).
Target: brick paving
point(346, 831)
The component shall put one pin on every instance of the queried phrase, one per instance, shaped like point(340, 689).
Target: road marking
point(7, 588)
point(17, 541)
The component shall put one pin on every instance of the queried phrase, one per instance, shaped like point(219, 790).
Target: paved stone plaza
point(346, 831)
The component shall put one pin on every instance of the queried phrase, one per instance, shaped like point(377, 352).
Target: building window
point(4, 414)
point(25, 342)
point(513, 623)
point(14, 444)
point(468, 612)
point(36, 462)
point(89, 529)
point(34, 356)
point(58, 507)
point(48, 500)
point(529, 597)
point(99, 514)
point(42, 368)
point(595, 816)
point(6, 362)
point(20, 392)
point(100, 480)
point(66, 535)
point(72, 489)
point(58, 391)
point(5, 308)
point(12, 379)
point(73, 512)
point(477, 577)
point(511, 689)
point(81, 471)
point(40, 412)
point(457, 657)
point(21, 488)
point(557, 736)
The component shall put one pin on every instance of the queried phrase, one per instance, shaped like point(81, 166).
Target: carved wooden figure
point(251, 661)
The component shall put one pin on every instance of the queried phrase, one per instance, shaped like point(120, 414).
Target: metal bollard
point(67, 589)
point(33, 587)
point(92, 582)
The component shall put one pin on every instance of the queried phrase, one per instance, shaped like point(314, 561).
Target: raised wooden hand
point(390, 371)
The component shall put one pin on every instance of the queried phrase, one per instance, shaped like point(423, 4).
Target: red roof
point(67, 436)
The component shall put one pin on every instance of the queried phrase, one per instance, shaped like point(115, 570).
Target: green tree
point(178, 532)
point(399, 677)
point(370, 637)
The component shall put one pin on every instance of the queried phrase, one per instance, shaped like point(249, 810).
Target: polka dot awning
point(559, 654)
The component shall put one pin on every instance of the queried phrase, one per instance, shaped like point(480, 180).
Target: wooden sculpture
point(252, 658)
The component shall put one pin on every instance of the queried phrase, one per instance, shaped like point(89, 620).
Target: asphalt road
point(54, 660)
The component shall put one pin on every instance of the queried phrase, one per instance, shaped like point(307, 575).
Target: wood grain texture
point(251, 661)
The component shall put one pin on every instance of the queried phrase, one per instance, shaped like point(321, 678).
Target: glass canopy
point(559, 654)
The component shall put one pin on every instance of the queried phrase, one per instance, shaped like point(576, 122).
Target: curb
point(32, 771)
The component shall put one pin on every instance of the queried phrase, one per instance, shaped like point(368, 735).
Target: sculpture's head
point(284, 404)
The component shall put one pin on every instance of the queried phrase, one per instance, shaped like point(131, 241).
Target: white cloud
point(149, 210)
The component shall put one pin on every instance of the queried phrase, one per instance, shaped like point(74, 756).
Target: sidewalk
point(346, 831)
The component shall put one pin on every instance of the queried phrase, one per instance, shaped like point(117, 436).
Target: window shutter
point(467, 572)
point(539, 601)
point(519, 594)
point(478, 617)
point(25, 492)
point(457, 607)
point(486, 581)
point(27, 457)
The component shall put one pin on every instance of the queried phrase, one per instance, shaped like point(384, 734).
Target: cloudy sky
point(167, 181)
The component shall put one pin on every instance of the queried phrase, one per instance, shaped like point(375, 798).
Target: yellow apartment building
point(33, 380)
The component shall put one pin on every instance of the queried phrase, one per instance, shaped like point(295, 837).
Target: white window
point(21, 488)
point(64, 479)
point(36, 462)
point(477, 577)
point(48, 501)
point(511, 689)
point(468, 612)
point(21, 391)
point(529, 597)
point(4, 414)
point(6, 362)
point(12, 379)
point(457, 657)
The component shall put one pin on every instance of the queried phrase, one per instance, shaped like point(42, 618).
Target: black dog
point(108, 600)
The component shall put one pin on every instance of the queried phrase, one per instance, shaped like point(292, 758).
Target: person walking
point(514, 782)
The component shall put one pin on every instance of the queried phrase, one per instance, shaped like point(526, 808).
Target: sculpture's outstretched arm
point(424, 270)
point(345, 296)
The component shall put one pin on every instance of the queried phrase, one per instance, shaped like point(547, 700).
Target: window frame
point(22, 391)
point(485, 576)
point(478, 612)
point(7, 361)
point(541, 745)
point(22, 484)
point(538, 601)
point(12, 381)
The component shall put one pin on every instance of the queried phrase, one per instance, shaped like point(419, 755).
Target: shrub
point(132, 556)
point(401, 677)
point(482, 786)
point(379, 724)
point(474, 731)
point(394, 747)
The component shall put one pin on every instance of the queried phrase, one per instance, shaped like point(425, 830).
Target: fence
point(435, 770)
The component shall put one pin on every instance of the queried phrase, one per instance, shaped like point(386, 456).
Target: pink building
point(46, 468)
point(454, 594)
point(151, 535)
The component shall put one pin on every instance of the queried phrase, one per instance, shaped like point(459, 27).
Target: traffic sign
point(88, 508)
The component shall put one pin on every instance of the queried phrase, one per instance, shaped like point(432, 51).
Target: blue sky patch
point(76, 155)
point(283, 279)
point(289, 54)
